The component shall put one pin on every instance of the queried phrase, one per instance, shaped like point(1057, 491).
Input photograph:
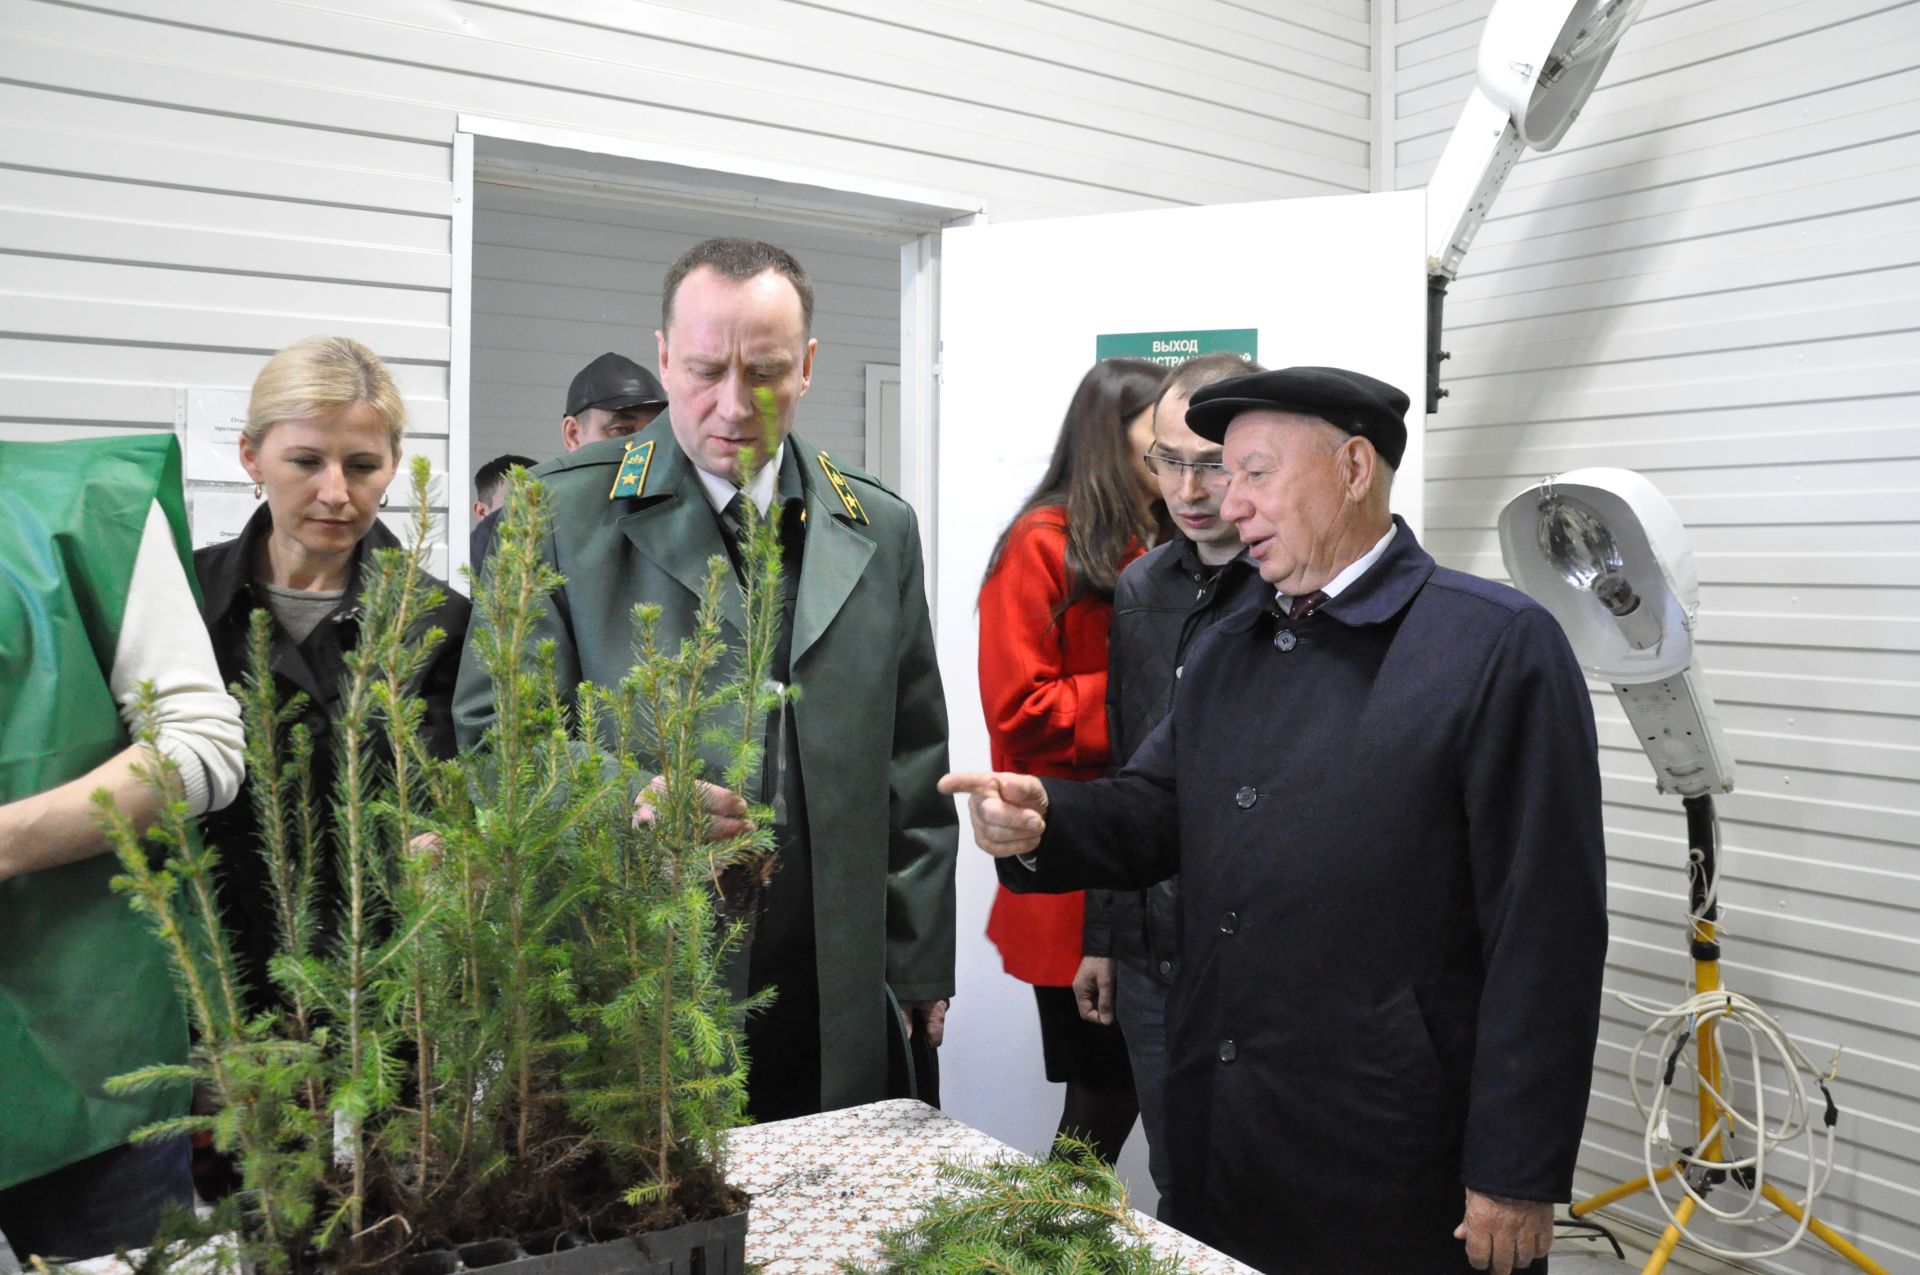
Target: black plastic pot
point(716, 1247)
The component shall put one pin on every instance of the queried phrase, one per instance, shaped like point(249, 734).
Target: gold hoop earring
point(258, 491)
point(384, 496)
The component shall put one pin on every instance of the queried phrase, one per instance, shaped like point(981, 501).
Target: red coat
point(1043, 684)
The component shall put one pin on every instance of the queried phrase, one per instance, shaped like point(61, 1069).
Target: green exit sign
point(1170, 349)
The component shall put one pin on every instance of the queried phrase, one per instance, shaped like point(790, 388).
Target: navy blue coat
point(1386, 818)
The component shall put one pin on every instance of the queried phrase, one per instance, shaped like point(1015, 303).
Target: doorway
point(560, 242)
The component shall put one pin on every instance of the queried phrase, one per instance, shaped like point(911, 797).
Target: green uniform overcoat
point(870, 720)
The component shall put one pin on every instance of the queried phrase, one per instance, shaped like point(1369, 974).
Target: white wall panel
point(185, 187)
point(1714, 281)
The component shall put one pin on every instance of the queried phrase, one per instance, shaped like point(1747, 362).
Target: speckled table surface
point(825, 1186)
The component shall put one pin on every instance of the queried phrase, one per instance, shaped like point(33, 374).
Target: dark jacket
point(1386, 817)
point(1162, 602)
point(316, 667)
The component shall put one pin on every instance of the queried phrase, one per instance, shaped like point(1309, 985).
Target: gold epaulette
point(632, 478)
point(842, 489)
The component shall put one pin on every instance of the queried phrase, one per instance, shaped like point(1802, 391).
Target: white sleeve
point(164, 641)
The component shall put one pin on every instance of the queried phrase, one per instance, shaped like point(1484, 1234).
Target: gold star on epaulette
point(632, 478)
point(842, 489)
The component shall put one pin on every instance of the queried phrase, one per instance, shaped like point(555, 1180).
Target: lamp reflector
point(1605, 553)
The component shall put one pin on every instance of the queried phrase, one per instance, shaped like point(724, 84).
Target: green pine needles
point(500, 1000)
point(1066, 1214)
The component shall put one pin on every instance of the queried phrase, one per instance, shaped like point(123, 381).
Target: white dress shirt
point(721, 491)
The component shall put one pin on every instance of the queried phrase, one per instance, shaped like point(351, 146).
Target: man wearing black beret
point(1382, 794)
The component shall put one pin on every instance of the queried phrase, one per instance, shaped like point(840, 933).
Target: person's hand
point(726, 809)
point(1008, 811)
point(1093, 989)
point(1502, 1234)
point(933, 1013)
point(429, 848)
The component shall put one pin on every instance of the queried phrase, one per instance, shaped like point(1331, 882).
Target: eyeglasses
point(1211, 473)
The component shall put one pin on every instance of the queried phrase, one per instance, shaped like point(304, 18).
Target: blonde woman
point(322, 444)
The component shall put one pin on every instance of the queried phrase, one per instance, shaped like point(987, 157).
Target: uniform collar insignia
point(632, 478)
point(841, 488)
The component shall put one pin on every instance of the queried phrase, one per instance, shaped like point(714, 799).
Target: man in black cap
point(1382, 795)
point(611, 397)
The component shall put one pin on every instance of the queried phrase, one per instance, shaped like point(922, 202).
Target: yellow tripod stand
point(1710, 1065)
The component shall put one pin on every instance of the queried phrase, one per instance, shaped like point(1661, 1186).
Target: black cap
point(614, 381)
point(1354, 401)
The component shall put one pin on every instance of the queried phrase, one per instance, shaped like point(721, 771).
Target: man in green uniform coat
point(860, 914)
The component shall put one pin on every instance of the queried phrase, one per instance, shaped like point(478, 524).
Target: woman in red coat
point(1045, 607)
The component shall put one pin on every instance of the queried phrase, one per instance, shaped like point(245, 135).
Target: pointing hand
point(1008, 811)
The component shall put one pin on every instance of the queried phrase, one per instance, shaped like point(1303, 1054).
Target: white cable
point(1676, 1027)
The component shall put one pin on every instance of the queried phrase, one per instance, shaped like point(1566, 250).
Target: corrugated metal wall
point(187, 185)
point(1715, 280)
point(557, 279)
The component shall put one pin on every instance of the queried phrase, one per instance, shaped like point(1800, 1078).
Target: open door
point(1333, 281)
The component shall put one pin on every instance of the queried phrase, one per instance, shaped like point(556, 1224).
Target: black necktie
point(733, 524)
point(733, 530)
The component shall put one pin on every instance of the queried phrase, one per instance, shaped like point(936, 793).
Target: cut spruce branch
point(1019, 1216)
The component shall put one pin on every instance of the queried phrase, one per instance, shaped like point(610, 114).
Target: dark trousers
point(1140, 1007)
point(95, 1206)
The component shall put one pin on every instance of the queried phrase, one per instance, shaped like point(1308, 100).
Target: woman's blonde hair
point(323, 376)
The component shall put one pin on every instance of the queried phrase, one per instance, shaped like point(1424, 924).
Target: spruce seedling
point(512, 1012)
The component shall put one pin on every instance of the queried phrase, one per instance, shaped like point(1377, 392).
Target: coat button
point(1229, 922)
point(1284, 640)
point(1166, 969)
point(1245, 798)
point(1227, 1051)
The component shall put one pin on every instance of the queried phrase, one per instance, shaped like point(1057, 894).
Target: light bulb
point(1583, 551)
point(1576, 542)
point(1615, 593)
point(1596, 33)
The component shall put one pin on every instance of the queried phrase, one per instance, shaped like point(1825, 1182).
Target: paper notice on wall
point(214, 421)
point(219, 514)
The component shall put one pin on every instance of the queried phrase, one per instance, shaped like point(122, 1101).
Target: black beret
point(1354, 401)
point(614, 382)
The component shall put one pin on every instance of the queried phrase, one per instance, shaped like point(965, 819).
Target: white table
point(825, 1186)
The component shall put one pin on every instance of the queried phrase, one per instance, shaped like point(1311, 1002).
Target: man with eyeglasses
point(1382, 792)
point(1162, 602)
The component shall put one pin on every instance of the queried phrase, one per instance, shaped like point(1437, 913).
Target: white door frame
point(880, 448)
point(681, 174)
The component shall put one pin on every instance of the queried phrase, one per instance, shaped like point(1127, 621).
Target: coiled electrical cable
point(1720, 1012)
